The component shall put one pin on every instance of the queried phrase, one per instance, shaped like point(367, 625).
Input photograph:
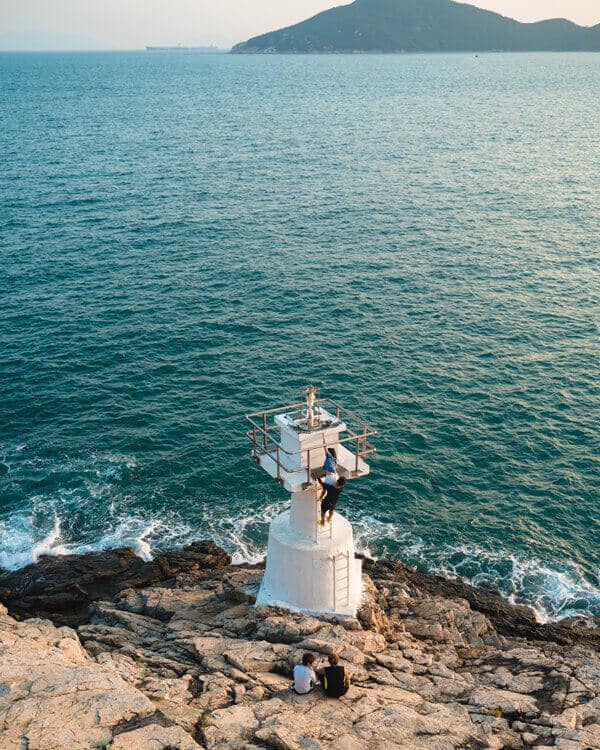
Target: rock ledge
point(173, 655)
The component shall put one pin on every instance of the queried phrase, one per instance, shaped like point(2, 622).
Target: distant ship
point(180, 48)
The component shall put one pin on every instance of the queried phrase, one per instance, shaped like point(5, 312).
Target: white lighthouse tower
point(310, 568)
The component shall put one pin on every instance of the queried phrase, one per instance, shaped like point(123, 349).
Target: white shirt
point(330, 479)
point(304, 679)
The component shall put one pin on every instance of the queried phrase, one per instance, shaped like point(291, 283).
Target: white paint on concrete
point(310, 568)
point(313, 441)
point(300, 573)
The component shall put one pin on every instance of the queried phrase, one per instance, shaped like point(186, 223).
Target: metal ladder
point(322, 532)
point(341, 580)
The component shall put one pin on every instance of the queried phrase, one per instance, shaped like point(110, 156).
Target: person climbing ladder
point(330, 498)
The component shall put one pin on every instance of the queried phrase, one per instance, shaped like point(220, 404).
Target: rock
point(394, 662)
point(366, 641)
point(160, 603)
point(447, 621)
point(189, 662)
point(61, 588)
point(154, 737)
point(507, 619)
point(287, 628)
point(521, 682)
point(414, 684)
point(371, 614)
point(217, 691)
point(440, 728)
point(259, 656)
point(588, 736)
point(52, 693)
point(504, 701)
point(241, 584)
point(229, 725)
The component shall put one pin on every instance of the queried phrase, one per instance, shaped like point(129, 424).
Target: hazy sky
point(129, 24)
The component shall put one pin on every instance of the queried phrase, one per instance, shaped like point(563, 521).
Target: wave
point(553, 592)
point(21, 545)
point(25, 540)
point(86, 508)
point(244, 537)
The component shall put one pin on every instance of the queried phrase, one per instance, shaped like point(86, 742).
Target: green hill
point(421, 26)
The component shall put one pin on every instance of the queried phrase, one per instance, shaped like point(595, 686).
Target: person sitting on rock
point(305, 678)
point(334, 679)
point(330, 498)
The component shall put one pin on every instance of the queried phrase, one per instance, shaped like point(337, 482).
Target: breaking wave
point(83, 508)
point(553, 593)
point(86, 507)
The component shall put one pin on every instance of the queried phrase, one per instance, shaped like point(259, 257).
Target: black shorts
point(327, 505)
point(308, 692)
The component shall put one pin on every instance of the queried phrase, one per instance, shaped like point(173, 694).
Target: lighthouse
point(310, 567)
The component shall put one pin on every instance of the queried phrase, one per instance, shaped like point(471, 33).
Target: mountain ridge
point(421, 26)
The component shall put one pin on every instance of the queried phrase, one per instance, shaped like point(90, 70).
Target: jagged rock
point(508, 619)
point(287, 628)
point(371, 614)
point(160, 603)
point(130, 670)
point(154, 737)
point(504, 701)
point(241, 584)
point(394, 662)
point(190, 661)
point(366, 641)
point(61, 588)
point(522, 682)
point(563, 744)
point(447, 621)
point(437, 728)
point(229, 725)
point(53, 695)
point(259, 656)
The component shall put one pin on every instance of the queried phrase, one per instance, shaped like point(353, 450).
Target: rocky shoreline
point(108, 651)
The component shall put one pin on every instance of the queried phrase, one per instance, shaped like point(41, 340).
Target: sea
point(185, 238)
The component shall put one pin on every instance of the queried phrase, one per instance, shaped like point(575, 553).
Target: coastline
point(128, 655)
point(61, 588)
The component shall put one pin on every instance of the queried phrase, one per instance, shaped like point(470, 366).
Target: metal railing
point(264, 444)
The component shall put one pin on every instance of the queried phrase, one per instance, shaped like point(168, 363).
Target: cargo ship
point(181, 48)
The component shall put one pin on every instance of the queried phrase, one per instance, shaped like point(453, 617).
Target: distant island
point(421, 26)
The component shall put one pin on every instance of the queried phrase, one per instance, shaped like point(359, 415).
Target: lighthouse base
point(316, 576)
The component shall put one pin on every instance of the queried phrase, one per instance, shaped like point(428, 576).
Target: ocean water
point(185, 238)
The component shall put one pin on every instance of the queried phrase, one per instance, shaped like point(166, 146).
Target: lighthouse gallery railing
point(264, 444)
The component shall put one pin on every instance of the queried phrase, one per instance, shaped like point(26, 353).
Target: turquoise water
point(185, 238)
